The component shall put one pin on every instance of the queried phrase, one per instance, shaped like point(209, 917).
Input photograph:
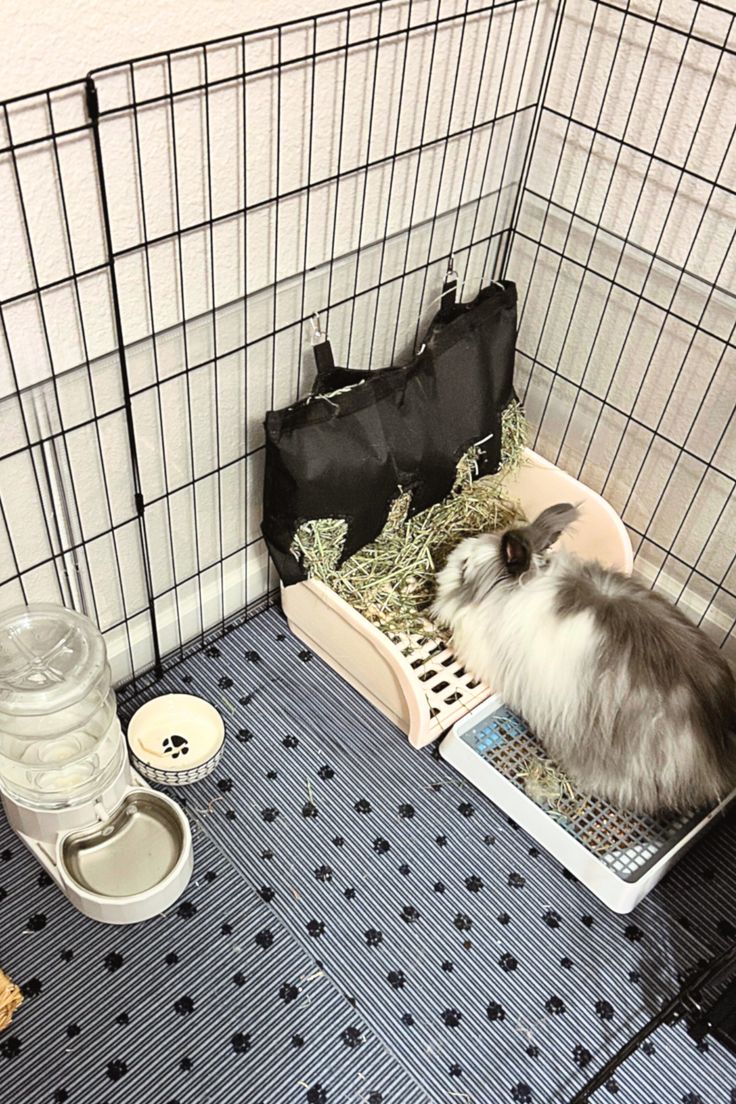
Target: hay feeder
point(415, 680)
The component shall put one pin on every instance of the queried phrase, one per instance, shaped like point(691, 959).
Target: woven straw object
point(10, 999)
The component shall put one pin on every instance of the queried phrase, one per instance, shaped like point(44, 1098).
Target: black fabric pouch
point(361, 438)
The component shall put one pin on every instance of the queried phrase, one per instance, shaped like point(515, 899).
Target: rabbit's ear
point(516, 552)
point(547, 527)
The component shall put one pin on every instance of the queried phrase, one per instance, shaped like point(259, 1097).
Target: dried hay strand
point(391, 580)
point(600, 827)
point(548, 785)
point(10, 999)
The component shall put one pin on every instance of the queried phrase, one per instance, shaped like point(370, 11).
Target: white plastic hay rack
point(417, 682)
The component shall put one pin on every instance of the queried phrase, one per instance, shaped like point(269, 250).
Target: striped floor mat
point(363, 927)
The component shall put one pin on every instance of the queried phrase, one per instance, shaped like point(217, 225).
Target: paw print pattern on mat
point(208, 960)
point(406, 945)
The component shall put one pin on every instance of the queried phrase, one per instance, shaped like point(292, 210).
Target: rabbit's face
point(494, 563)
point(525, 551)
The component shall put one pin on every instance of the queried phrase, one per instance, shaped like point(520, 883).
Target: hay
point(542, 781)
point(391, 580)
point(596, 824)
point(548, 785)
point(10, 999)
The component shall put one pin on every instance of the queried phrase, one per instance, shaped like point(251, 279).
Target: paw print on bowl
point(175, 746)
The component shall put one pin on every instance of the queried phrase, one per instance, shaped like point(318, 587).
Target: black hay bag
point(349, 454)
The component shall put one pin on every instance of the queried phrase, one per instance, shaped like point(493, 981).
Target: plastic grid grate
point(628, 843)
point(451, 692)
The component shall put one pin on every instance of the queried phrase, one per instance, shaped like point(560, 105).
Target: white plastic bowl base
point(131, 867)
point(419, 685)
point(178, 777)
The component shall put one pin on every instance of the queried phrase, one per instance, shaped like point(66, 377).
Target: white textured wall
point(51, 42)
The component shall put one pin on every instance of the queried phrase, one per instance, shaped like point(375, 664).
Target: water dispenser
point(120, 851)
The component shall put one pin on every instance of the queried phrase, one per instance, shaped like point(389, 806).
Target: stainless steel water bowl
point(131, 853)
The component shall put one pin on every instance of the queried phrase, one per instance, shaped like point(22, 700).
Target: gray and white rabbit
point(630, 698)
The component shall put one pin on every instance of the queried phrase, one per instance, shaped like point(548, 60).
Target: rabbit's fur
point(632, 700)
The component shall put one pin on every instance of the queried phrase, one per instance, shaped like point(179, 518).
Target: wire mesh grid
point(329, 165)
point(628, 843)
point(624, 249)
point(70, 530)
point(174, 221)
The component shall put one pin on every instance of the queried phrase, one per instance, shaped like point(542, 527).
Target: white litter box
point(416, 682)
point(619, 856)
point(420, 685)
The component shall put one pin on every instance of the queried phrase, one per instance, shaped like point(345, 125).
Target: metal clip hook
point(318, 334)
point(449, 291)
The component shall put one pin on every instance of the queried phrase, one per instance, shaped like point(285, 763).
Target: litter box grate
point(451, 692)
point(628, 843)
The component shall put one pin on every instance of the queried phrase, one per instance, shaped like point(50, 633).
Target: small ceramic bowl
point(176, 739)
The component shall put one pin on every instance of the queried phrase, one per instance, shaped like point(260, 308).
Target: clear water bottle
point(60, 739)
